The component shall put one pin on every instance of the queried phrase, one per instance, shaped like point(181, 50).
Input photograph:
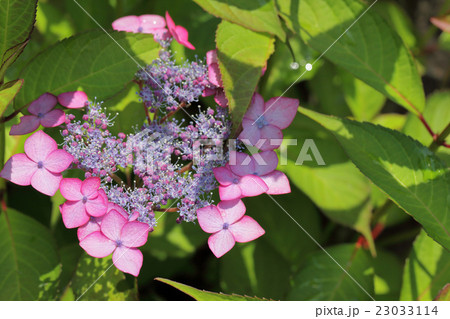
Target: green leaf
point(16, 22)
point(393, 121)
point(427, 270)
point(444, 294)
point(370, 49)
point(387, 276)
point(92, 61)
point(322, 279)
point(8, 92)
point(364, 101)
point(29, 267)
point(203, 295)
point(408, 172)
point(240, 65)
point(256, 15)
point(11, 56)
point(99, 280)
point(337, 187)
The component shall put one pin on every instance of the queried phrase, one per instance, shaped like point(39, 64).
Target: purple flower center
point(140, 29)
point(40, 115)
point(261, 122)
point(225, 226)
point(236, 181)
point(84, 200)
point(118, 243)
point(40, 164)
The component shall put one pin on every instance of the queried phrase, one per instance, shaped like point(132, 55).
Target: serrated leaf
point(408, 172)
point(256, 15)
point(29, 266)
point(203, 295)
point(8, 92)
point(322, 279)
point(241, 65)
point(16, 22)
point(370, 49)
point(337, 187)
point(92, 61)
point(427, 270)
point(98, 279)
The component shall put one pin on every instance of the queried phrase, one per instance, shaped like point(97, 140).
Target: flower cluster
point(168, 164)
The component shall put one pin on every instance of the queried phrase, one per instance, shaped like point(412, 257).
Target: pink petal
point(246, 229)
point(90, 186)
point(70, 189)
point(28, 124)
point(224, 175)
point(134, 234)
point(256, 108)
point(280, 112)
point(149, 22)
point(170, 24)
point(97, 206)
point(87, 229)
point(231, 210)
point(241, 163)
point(161, 34)
point(230, 192)
point(43, 104)
point(252, 185)
point(214, 75)
point(114, 206)
point(112, 225)
point(73, 100)
point(220, 98)
point(58, 161)
point(97, 245)
point(182, 36)
point(250, 135)
point(211, 57)
point(128, 24)
point(221, 242)
point(277, 182)
point(46, 182)
point(265, 162)
point(39, 145)
point(53, 118)
point(210, 219)
point(272, 137)
point(74, 214)
point(208, 92)
point(128, 260)
point(19, 169)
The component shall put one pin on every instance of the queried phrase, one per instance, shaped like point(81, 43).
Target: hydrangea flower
point(263, 121)
point(262, 165)
point(228, 225)
point(73, 100)
point(148, 23)
point(215, 78)
point(85, 199)
point(41, 165)
point(42, 113)
point(179, 33)
point(118, 236)
point(233, 186)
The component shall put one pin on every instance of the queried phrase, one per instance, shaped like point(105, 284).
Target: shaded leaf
point(387, 276)
point(8, 92)
point(444, 294)
point(256, 15)
point(370, 49)
point(203, 295)
point(322, 279)
point(92, 62)
point(240, 65)
point(427, 270)
point(29, 266)
point(99, 280)
point(408, 172)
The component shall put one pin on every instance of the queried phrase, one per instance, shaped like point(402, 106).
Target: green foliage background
point(363, 104)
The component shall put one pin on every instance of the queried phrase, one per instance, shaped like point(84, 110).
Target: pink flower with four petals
point(41, 165)
point(120, 237)
point(228, 225)
point(263, 122)
point(85, 199)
